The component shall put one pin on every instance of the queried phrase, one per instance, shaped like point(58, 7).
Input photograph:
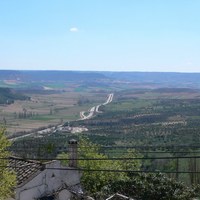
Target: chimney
point(73, 153)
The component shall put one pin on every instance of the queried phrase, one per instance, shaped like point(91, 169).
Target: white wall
point(47, 182)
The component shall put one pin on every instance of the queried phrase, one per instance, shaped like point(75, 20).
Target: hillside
point(8, 96)
point(49, 75)
point(32, 79)
point(161, 79)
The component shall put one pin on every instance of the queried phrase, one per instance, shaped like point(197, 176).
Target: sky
point(100, 35)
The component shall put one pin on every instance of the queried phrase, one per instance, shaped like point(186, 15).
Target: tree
point(94, 181)
point(152, 186)
point(7, 177)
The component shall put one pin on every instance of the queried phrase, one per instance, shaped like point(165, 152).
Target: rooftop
point(25, 169)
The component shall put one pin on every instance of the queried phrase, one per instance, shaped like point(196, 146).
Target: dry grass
point(47, 109)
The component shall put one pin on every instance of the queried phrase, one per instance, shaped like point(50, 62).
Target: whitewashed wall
point(46, 182)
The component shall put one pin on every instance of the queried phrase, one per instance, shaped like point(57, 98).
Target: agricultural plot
point(152, 122)
point(147, 120)
point(160, 117)
point(43, 110)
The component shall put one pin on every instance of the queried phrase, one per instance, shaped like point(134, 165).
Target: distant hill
point(8, 96)
point(175, 90)
point(50, 75)
point(152, 79)
point(162, 79)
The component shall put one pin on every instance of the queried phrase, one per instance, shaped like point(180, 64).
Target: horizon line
point(111, 71)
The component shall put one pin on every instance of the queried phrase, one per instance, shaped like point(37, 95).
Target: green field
point(46, 109)
point(154, 121)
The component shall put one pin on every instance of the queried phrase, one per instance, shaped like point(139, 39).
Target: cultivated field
point(47, 109)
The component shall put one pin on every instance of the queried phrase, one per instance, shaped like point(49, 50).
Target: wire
point(111, 152)
point(111, 170)
point(103, 170)
point(146, 147)
point(164, 152)
point(107, 159)
point(130, 171)
point(22, 166)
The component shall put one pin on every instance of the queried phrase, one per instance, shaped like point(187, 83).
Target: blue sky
point(108, 35)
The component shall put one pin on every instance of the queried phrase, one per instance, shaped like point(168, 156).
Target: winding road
point(83, 116)
point(95, 109)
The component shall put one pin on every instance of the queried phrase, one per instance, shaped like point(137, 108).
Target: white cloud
point(74, 29)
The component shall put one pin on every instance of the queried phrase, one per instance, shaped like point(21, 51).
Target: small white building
point(118, 196)
point(51, 180)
